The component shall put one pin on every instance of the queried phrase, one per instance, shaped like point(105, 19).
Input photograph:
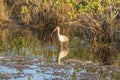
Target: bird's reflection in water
point(62, 54)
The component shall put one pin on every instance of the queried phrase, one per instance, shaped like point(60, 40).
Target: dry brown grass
point(4, 12)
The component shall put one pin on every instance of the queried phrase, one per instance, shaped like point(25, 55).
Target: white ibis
point(63, 39)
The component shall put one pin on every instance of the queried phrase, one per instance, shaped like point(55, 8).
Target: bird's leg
point(66, 44)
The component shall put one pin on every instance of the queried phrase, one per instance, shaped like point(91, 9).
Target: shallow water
point(52, 63)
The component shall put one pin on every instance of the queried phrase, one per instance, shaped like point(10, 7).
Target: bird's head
point(57, 28)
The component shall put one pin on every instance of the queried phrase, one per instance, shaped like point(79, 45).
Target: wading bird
point(63, 39)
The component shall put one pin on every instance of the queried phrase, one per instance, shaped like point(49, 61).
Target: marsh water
point(25, 58)
point(49, 62)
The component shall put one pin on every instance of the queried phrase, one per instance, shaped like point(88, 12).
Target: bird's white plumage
point(61, 38)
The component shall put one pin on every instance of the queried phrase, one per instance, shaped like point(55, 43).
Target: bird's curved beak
point(54, 31)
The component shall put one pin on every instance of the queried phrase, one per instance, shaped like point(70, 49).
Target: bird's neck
point(58, 32)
